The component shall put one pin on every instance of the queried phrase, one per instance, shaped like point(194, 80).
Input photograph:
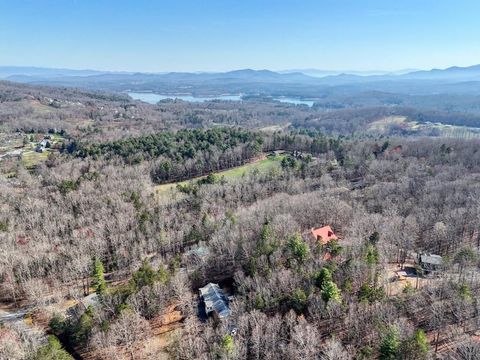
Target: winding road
point(16, 320)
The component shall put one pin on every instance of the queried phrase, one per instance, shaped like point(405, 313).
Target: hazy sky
point(208, 35)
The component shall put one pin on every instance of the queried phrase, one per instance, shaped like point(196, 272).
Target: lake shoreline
point(153, 98)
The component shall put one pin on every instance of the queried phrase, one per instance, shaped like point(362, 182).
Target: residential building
point(324, 234)
point(215, 300)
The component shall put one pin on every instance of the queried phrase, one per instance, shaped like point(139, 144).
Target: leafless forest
point(93, 253)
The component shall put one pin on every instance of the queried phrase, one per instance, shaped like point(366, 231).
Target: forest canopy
point(94, 251)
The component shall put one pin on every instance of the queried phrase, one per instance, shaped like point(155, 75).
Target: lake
point(152, 98)
point(295, 101)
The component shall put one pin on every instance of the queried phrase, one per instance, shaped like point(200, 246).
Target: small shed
point(215, 300)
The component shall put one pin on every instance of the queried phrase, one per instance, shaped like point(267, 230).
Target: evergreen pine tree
point(98, 277)
point(390, 345)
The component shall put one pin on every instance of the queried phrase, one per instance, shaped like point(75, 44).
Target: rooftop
point(324, 234)
point(215, 300)
point(431, 259)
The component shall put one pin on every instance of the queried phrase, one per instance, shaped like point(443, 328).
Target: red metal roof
point(324, 234)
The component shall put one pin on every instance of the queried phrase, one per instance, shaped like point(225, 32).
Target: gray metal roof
point(431, 259)
point(91, 300)
point(200, 251)
point(215, 300)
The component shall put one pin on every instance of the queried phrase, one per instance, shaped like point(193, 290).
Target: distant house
point(215, 300)
point(39, 148)
point(396, 150)
point(89, 301)
point(199, 252)
point(324, 234)
point(44, 143)
point(430, 264)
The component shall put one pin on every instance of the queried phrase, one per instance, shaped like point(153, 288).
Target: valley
point(239, 180)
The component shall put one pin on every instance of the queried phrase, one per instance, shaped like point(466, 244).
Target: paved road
point(9, 316)
point(15, 320)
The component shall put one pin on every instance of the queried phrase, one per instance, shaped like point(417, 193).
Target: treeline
point(191, 153)
point(98, 117)
point(448, 118)
point(181, 154)
point(356, 120)
point(344, 121)
point(289, 298)
point(313, 142)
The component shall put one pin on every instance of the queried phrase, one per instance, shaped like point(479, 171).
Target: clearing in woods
point(263, 164)
point(402, 124)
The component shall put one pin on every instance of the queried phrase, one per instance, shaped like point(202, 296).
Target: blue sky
point(211, 35)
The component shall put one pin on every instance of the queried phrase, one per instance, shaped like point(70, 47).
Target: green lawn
point(30, 158)
point(262, 166)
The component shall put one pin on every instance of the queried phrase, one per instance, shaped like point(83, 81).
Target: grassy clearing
point(31, 158)
point(262, 165)
point(13, 146)
point(382, 126)
point(39, 108)
point(273, 128)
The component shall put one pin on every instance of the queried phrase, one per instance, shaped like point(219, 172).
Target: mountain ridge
point(42, 73)
point(264, 82)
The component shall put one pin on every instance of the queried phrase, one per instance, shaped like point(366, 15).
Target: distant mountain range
point(323, 73)
point(12, 72)
point(306, 83)
point(453, 73)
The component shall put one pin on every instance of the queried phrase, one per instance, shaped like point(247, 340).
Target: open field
point(263, 164)
point(31, 158)
point(38, 107)
point(13, 147)
point(273, 128)
point(383, 125)
point(400, 124)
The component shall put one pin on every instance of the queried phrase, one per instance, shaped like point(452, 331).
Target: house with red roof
point(324, 234)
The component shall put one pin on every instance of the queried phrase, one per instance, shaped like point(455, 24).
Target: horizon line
point(291, 70)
